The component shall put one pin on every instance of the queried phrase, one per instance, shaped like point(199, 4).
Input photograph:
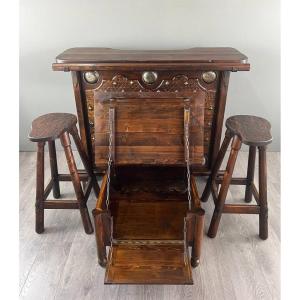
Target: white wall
point(50, 26)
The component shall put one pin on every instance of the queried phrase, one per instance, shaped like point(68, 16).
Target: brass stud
point(149, 77)
point(90, 107)
point(91, 124)
point(114, 83)
point(211, 107)
point(167, 82)
point(91, 77)
point(209, 76)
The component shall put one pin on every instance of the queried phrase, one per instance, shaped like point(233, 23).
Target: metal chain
point(187, 145)
point(109, 161)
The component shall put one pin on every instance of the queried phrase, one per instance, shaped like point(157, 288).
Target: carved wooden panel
point(204, 95)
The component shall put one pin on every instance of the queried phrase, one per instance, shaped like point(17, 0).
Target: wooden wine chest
point(157, 117)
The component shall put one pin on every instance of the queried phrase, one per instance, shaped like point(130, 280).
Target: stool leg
point(66, 143)
point(85, 160)
point(263, 215)
point(214, 224)
point(39, 204)
point(216, 166)
point(250, 173)
point(53, 166)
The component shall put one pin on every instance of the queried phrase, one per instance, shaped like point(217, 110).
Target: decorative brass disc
point(149, 77)
point(209, 76)
point(91, 76)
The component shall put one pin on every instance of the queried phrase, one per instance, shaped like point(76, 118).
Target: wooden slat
point(234, 181)
point(241, 209)
point(149, 154)
point(48, 189)
point(61, 204)
point(255, 193)
point(67, 177)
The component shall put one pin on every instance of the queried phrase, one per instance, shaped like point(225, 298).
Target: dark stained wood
point(53, 168)
point(198, 236)
point(255, 132)
point(39, 202)
point(250, 173)
point(88, 55)
point(50, 126)
point(220, 110)
point(149, 210)
point(252, 130)
point(86, 162)
point(179, 73)
point(217, 165)
point(145, 264)
point(214, 224)
point(81, 112)
point(263, 215)
point(59, 128)
point(65, 141)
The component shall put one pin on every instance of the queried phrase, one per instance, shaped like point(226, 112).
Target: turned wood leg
point(39, 204)
point(65, 141)
point(198, 236)
point(53, 167)
point(263, 215)
point(102, 234)
point(250, 173)
point(214, 224)
point(85, 160)
point(216, 166)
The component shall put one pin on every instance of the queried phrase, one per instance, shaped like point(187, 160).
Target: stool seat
point(50, 126)
point(252, 130)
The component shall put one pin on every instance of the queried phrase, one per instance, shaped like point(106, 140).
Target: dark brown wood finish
point(149, 214)
point(148, 97)
point(255, 132)
point(47, 128)
point(179, 72)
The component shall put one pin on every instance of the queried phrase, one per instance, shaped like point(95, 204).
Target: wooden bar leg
point(65, 141)
point(215, 221)
point(39, 204)
point(85, 160)
point(53, 167)
point(198, 237)
point(263, 215)
point(250, 173)
point(102, 233)
point(216, 166)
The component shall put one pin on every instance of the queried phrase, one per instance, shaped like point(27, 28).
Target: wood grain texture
point(236, 265)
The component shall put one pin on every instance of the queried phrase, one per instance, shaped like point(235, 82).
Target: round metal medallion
point(149, 77)
point(209, 76)
point(91, 76)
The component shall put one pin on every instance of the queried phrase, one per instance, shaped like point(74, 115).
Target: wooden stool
point(254, 132)
point(48, 128)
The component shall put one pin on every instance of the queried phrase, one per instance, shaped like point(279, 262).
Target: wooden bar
point(241, 209)
point(61, 204)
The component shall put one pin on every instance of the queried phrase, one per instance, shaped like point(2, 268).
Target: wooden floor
point(61, 263)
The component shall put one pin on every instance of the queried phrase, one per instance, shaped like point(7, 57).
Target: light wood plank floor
point(61, 263)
